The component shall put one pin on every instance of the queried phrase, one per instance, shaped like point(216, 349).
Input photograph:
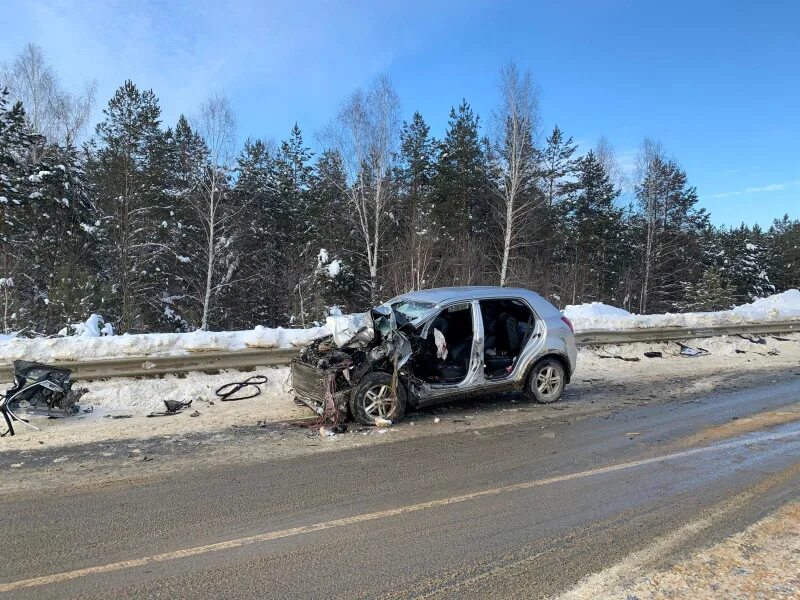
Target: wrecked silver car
point(436, 345)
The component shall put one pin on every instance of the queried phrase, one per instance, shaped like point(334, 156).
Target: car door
point(429, 391)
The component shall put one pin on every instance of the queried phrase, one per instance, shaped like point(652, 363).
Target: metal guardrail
point(247, 359)
point(151, 366)
point(666, 334)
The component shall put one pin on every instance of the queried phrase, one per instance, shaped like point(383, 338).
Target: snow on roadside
point(596, 315)
point(584, 317)
point(127, 395)
point(153, 344)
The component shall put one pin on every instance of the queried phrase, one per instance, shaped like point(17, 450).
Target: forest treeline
point(173, 227)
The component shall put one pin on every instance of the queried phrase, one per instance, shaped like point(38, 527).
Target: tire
point(372, 399)
point(546, 381)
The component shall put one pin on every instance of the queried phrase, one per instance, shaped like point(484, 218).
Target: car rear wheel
point(373, 399)
point(546, 381)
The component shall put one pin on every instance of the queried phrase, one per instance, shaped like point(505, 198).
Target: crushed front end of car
point(326, 372)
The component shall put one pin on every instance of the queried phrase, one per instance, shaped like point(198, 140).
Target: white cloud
point(771, 187)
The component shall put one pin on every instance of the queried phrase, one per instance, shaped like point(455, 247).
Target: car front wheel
point(546, 381)
point(374, 399)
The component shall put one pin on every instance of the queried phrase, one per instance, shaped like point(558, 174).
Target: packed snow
point(90, 347)
point(598, 316)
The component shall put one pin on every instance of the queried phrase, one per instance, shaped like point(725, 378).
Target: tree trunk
point(210, 265)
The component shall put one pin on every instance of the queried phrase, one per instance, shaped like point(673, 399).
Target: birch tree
point(516, 121)
point(216, 124)
point(650, 156)
point(365, 134)
point(51, 111)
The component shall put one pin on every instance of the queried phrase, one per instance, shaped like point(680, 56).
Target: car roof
point(447, 294)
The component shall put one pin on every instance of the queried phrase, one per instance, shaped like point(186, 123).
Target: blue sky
point(718, 83)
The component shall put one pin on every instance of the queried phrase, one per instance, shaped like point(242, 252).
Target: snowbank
point(584, 317)
point(153, 344)
point(596, 315)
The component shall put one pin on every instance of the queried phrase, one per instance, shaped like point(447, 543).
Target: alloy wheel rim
point(548, 381)
point(379, 402)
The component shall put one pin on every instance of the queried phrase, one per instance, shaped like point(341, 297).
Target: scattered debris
point(691, 352)
point(117, 416)
point(229, 391)
point(88, 409)
point(654, 354)
point(195, 414)
point(783, 339)
point(148, 365)
point(380, 422)
point(173, 407)
point(752, 338)
point(617, 356)
point(436, 420)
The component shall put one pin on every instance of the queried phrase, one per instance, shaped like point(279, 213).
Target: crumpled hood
point(345, 328)
point(358, 332)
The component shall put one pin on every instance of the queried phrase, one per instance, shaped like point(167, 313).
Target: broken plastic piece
point(691, 352)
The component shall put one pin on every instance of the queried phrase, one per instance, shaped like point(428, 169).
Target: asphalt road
point(513, 511)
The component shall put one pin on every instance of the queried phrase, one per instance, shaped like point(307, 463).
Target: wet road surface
point(521, 510)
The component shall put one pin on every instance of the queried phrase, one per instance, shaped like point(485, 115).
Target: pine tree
point(60, 252)
point(15, 190)
point(783, 253)
point(557, 162)
point(462, 208)
point(259, 297)
point(296, 235)
point(182, 291)
point(709, 294)
point(414, 242)
point(595, 230)
point(335, 236)
point(128, 175)
point(745, 262)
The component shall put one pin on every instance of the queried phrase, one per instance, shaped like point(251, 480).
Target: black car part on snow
point(41, 386)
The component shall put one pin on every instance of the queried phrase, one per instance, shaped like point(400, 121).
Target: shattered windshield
point(411, 310)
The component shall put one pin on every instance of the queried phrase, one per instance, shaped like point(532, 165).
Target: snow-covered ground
point(584, 317)
point(117, 408)
point(599, 316)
